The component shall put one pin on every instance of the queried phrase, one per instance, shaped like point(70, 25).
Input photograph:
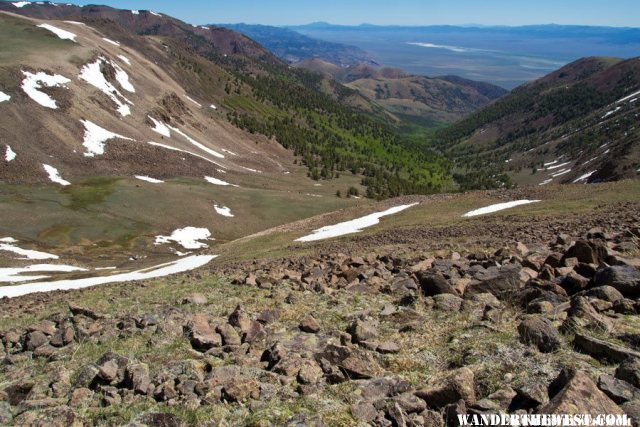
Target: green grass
point(20, 37)
point(90, 192)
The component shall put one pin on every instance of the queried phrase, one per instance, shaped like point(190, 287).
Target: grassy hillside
point(582, 115)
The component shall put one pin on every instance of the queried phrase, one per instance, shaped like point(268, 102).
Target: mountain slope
point(262, 95)
point(428, 101)
point(294, 47)
point(578, 123)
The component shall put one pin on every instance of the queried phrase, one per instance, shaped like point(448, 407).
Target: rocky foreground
point(382, 340)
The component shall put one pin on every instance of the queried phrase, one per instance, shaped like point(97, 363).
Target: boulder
point(603, 350)
point(388, 347)
point(605, 293)
point(581, 314)
point(448, 302)
point(362, 331)
point(310, 325)
point(587, 252)
point(624, 278)
point(580, 396)
point(435, 284)
point(35, 339)
point(458, 385)
point(137, 377)
point(618, 390)
point(540, 332)
point(229, 335)
point(360, 365)
point(629, 371)
point(202, 336)
point(501, 283)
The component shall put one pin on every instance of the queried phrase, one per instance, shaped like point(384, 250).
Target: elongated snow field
point(352, 226)
point(7, 244)
point(196, 143)
point(498, 207)
point(4, 97)
point(54, 175)
point(216, 181)
point(63, 34)
point(15, 274)
point(149, 179)
point(175, 267)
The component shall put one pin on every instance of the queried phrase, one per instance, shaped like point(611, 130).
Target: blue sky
point(404, 12)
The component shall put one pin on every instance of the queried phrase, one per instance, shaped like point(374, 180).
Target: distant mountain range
point(294, 47)
point(505, 56)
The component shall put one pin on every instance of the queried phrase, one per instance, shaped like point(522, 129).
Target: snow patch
point(223, 210)
point(498, 207)
point(352, 226)
point(560, 173)
point(135, 12)
point(168, 147)
point(149, 179)
point(12, 275)
point(111, 41)
point(125, 59)
point(4, 97)
point(154, 13)
point(193, 100)
point(123, 78)
point(550, 163)
point(214, 107)
point(557, 166)
point(629, 97)
point(95, 138)
point(546, 181)
point(54, 175)
point(217, 181)
point(9, 155)
point(584, 177)
point(175, 267)
point(608, 113)
point(32, 84)
point(251, 170)
point(63, 34)
point(160, 127)
point(92, 74)
point(188, 238)
point(196, 143)
point(9, 246)
point(21, 4)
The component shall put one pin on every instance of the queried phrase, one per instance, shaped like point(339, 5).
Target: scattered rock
point(625, 279)
point(202, 336)
point(459, 385)
point(603, 350)
point(541, 333)
point(580, 396)
point(629, 371)
point(618, 390)
point(388, 347)
point(435, 284)
point(309, 324)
